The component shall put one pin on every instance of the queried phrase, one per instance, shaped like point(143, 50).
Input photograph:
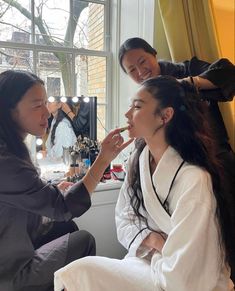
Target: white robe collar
point(162, 178)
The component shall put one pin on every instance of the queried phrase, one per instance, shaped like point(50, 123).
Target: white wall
point(130, 18)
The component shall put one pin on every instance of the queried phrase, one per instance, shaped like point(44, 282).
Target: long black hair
point(59, 117)
point(13, 86)
point(188, 132)
point(134, 43)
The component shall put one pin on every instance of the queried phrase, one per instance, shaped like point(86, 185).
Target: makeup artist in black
point(25, 198)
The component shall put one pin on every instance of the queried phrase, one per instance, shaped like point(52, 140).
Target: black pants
point(38, 275)
point(58, 229)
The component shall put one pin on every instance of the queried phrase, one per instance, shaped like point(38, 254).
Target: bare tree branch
point(12, 25)
point(63, 58)
point(73, 20)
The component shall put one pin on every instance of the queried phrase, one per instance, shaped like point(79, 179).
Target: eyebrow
point(39, 100)
point(138, 60)
point(138, 100)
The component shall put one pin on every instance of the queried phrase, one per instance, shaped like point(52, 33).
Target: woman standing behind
point(25, 198)
point(171, 215)
point(61, 132)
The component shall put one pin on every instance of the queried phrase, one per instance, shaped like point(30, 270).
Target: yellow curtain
point(224, 17)
point(187, 28)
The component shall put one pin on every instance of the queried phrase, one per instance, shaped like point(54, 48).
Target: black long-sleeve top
point(24, 199)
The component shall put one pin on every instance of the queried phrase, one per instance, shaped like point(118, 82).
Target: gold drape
point(187, 28)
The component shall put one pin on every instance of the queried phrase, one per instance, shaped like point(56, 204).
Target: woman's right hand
point(112, 145)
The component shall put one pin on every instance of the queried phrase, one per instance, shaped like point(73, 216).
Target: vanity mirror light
point(63, 132)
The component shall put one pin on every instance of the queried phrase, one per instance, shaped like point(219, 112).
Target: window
point(53, 86)
point(64, 42)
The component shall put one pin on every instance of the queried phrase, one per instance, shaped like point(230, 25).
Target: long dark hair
point(13, 86)
point(134, 43)
point(188, 132)
point(60, 115)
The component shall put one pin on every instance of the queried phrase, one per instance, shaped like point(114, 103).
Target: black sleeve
point(81, 121)
point(221, 73)
point(22, 188)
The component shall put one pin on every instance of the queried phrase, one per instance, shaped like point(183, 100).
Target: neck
point(54, 114)
point(157, 147)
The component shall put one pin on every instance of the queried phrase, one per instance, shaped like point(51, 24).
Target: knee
point(89, 241)
point(81, 244)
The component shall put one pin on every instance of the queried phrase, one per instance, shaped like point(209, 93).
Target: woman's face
point(140, 65)
point(142, 118)
point(53, 107)
point(31, 113)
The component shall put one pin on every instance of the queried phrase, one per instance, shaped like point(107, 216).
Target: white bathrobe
point(191, 258)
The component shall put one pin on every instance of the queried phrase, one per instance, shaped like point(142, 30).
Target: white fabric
point(190, 258)
point(64, 137)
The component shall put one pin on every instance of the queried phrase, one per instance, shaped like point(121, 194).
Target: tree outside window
point(58, 40)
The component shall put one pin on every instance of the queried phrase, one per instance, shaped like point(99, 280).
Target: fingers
point(122, 145)
point(115, 132)
point(111, 134)
point(125, 144)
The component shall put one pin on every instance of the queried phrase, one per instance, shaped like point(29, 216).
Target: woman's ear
point(167, 114)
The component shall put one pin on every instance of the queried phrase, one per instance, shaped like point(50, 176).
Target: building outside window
point(64, 42)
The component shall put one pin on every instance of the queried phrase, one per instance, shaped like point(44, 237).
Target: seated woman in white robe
point(170, 215)
point(61, 132)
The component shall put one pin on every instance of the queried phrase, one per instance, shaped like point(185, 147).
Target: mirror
point(53, 150)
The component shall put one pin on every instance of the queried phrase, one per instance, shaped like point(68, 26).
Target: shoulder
point(16, 172)
point(195, 182)
point(64, 124)
point(199, 174)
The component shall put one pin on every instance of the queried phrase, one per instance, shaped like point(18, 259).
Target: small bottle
point(72, 170)
point(76, 169)
point(87, 164)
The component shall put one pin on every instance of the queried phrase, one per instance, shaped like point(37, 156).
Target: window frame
point(36, 49)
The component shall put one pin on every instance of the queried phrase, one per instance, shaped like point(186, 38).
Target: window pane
point(91, 81)
point(83, 27)
point(56, 70)
point(14, 25)
point(90, 29)
point(51, 26)
point(18, 59)
point(101, 122)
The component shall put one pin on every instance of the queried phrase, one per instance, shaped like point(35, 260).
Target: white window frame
point(36, 49)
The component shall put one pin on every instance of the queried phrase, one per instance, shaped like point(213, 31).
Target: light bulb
point(39, 156)
point(63, 99)
point(51, 99)
point(39, 141)
point(86, 99)
point(75, 99)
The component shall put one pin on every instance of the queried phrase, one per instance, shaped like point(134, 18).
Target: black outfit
point(24, 200)
point(81, 122)
point(222, 74)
